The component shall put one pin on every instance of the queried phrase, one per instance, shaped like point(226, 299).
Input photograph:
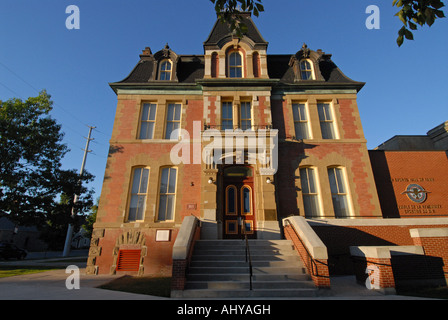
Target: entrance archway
point(238, 202)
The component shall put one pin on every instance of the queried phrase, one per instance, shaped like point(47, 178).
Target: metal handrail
point(247, 252)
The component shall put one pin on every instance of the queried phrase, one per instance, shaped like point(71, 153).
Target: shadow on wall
point(338, 240)
point(383, 182)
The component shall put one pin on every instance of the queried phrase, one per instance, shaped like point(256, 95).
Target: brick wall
point(180, 267)
point(435, 244)
point(389, 232)
point(394, 171)
point(317, 268)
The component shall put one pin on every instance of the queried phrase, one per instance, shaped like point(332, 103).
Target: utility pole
point(68, 239)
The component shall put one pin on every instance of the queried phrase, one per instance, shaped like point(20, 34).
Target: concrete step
point(244, 293)
point(256, 285)
point(243, 263)
point(233, 243)
point(245, 277)
point(218, 269)
point(242, 257)
point(237, 270)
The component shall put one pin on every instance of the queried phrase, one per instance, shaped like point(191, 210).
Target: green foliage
point(59, 215)
point(34, 190)
point(415, 13)
point(90, 220)
point(31, 146)
point(227, 12)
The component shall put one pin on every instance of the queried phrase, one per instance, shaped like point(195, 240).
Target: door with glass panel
point(238, 209)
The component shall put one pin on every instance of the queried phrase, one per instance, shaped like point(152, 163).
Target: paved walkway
point(51, 285)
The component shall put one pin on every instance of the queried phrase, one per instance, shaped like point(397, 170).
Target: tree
point(32, 149)
point(54, 230)
point(90, 220)
point(415, 12)
point(412, 13)
point(34, 190)
point(226, 11)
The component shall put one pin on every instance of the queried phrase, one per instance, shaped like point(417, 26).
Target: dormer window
point(306, 70)
point(235, 65)
point(165, 70)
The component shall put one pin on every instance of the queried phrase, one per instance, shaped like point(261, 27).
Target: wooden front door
point(239, 207)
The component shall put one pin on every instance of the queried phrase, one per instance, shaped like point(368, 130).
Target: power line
point(38, 91)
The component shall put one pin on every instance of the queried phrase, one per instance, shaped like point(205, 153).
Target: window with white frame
point(167, 194)
point(227, 116)
point(306, 70)
point(173, 121)
point(245, 116)
point(310, 192)
point(165, 70)
point(139, 190)
point(235, 65)
point(339, 192)
point(300, 117)
point(148, 121)
point(327, 124)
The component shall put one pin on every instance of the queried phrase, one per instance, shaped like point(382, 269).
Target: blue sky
point(406, 89)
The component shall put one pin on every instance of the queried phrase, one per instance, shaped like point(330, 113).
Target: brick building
point(410, 174)
point(235, 137)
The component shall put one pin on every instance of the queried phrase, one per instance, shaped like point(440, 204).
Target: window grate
point(128, 260)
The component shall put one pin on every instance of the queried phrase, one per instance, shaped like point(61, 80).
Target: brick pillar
point(178, 276)
point(386, 276)
point(434, 242)
point(374, 267)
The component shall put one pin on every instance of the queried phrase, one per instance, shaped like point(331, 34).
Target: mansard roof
point(222, 34)
point(282, 68)
point(190, 69)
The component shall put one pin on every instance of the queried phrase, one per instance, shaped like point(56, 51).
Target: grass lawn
point(9, 271)
point(150, 285)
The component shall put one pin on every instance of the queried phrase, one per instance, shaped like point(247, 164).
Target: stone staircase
point(218, 269)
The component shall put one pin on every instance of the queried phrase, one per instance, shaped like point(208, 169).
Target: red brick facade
point(396, 170)
point(322, 169)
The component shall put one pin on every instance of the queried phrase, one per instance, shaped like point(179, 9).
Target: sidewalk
point(51, 285)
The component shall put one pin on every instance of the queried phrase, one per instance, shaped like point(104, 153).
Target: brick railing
point(373, 267)
point(435, 244)
point(383, 267)
point(182, 250)
point(311, 249)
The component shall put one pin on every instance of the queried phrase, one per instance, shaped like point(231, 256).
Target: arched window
point(231, 200)
point(235, 65)
point(167, 194)
point(339, 192)
point(246, 200)
point(306, 70)
point(310, 192)
point(215, 65)
point(139, 190)
point(165, 70)
point(256, 64)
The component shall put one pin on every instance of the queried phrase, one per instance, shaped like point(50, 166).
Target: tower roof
point(222, 33)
